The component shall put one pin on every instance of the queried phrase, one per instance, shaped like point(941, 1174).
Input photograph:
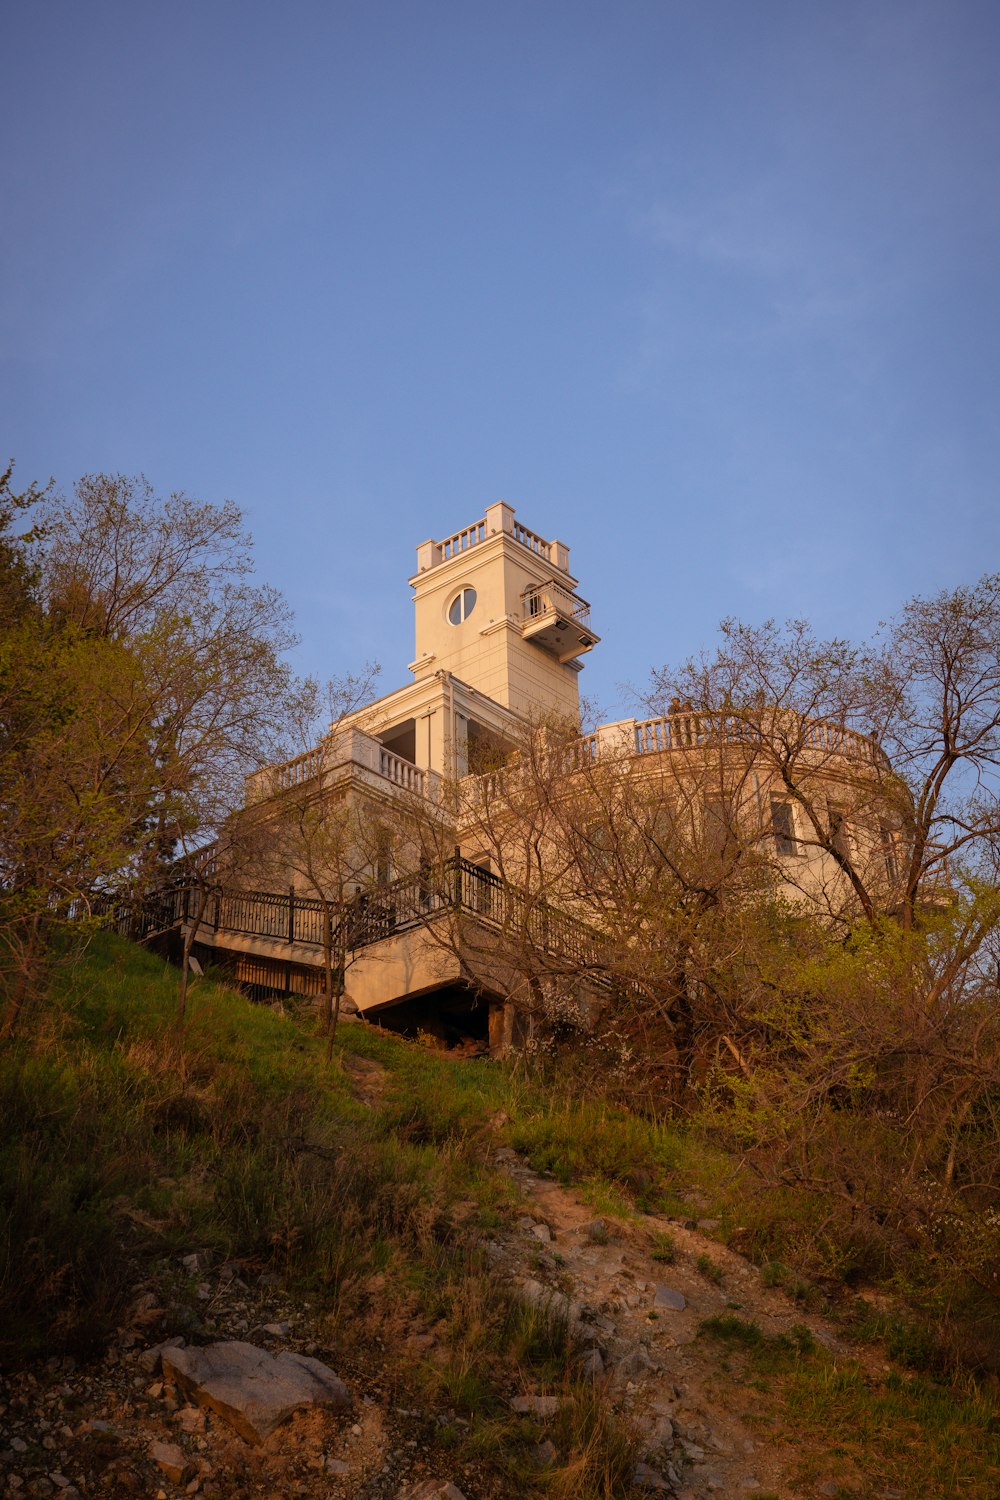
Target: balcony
point(346, 751)
point(556, 620)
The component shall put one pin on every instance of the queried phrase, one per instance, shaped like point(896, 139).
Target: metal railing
point(551, 598)
point(369, 917)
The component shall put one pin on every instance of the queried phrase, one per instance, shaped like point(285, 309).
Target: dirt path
point(703, 1425)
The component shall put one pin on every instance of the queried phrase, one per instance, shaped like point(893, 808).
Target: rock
point(430, 1489)
point(337, 1466)
point(708, 1226)
point(592, 1365)
point(197, 1261)
point(537, 1406)
point(635, 1362)
point(552, 1302)
point(661, 1433)
point(170, 1460)
point(666, 1296)
point(546, 1453)
point(596, 1231)
point(251, 1390)
point(277, 1330)
point(542, 1232)
point(191, 1419)
point(646, 1478)
point(149, 1359)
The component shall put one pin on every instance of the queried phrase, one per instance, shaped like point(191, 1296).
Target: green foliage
point(577, 1139)
point(664, 1248)
point(710, 1269)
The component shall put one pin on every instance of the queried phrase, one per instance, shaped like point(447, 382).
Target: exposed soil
point(87, 1431)
point(659, 1373)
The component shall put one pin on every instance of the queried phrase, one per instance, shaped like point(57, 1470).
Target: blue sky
point(707, 290)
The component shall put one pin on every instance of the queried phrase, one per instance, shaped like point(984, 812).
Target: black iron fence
point(367, 917)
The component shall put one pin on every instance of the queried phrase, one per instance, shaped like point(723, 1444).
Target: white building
point(501, 636)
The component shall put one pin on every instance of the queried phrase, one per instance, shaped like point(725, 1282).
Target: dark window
point(383, 859)
point(720, 838)
point(889, 851)
point(783, 828)
point(839, 839)
point(462, 606)
point(485, 751)
point(600, 857)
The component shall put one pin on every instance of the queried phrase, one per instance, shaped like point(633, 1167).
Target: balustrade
point(531, 540)
point(402, 773)
point(462, 540)
point(681, 730)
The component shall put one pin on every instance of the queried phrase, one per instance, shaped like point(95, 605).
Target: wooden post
point(291, 913)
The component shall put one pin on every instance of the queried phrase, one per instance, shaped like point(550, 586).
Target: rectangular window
point(889, 851)
point(719, 834)
point(598, 852)
point(783, 827)
point(383, 859)
point(839, 838)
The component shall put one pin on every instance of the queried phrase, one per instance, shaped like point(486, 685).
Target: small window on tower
point(462, 606)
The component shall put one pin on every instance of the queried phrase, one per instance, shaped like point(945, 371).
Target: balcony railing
point(348, 747)
point(672, 732)
point(552, 598)
point(680, 731)
point(557, 619)
point(403, 772)
point(457, 885)
point(667, 732)
point(532, 541)
point(462, 540)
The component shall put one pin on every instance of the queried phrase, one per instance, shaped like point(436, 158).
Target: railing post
point(291, 914)
point(457, 887)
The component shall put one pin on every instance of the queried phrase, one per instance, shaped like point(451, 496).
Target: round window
point(461, 606)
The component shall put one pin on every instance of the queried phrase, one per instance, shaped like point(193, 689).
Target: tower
point(496, 607)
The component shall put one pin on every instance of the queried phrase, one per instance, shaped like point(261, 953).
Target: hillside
point(526, 1293)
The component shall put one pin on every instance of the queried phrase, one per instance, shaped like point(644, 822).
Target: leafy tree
point(141, 675)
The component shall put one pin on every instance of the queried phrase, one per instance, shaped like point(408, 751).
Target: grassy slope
point(123, 1141)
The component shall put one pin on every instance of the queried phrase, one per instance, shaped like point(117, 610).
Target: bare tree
point(307, 826)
